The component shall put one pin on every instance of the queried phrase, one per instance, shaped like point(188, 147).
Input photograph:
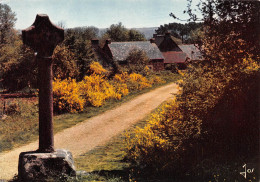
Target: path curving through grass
point(95, 131)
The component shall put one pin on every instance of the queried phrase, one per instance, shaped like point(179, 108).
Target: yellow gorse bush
point(156, 80)
point(134, 81)
point(121, 77)
point(66, 96)
point(95, 89)
point(138, 82)
point(161, 135)
point(96, 68)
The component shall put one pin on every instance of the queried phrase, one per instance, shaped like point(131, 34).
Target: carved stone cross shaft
point(43, 37)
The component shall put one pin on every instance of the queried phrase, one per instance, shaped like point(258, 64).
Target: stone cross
point(43, 37)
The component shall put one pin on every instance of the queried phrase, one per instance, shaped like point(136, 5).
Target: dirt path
point(95, 131)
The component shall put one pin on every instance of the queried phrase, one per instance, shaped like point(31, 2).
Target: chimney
point(108, 41)
point(94, 42)
point(152, 40)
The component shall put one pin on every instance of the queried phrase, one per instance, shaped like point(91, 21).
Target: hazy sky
point(99, 13)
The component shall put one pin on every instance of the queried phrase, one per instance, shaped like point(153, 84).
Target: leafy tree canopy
point(7, 21)
point(117, 32)
point(229, 26)
point(137, 60)
point(181, 31)
point(73, 35)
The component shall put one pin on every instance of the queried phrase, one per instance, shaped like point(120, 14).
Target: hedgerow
point(175, 138)
point(95, 89)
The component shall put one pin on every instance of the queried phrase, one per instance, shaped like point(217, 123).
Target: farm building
point(175, 57)
point(192, 52)
point(120, 50)
point(176, 54)
point(100, 54)
point(162, 50)
point(168, 44)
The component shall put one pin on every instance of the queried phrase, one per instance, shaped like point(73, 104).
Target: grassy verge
point(22, 127)
point(107, 163)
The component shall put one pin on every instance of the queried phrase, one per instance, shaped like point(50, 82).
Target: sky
point(98, 13)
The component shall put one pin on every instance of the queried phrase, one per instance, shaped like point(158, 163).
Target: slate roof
point(168, 44)
point(120, 50)
point(102, 57)
point(192, 51)
point(174, 57)
point(158, 39)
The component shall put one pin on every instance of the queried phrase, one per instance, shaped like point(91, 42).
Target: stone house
point(100, 54)
point(118, 51)
point(176, 54)
point(162, 51)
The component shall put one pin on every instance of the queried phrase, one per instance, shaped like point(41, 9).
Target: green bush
point(199, 122)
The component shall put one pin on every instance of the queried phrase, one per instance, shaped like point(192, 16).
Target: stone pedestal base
point(35, 166)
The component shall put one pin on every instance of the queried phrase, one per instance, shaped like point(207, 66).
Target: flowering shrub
point(156, 80)
point(173, 136)
point(138, 82)
point(159, 144)
point(133, 81)
point(96, 68)
point(95, 89)
point(121, 88)
point(123, 77)
point(66, 96)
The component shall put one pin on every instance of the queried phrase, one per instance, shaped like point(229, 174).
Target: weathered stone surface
point(43, 36)
point(35, 166)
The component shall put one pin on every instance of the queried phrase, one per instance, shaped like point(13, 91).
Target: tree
point(134, 35)
point(81, 34)
point(65, 65)
point(18, 66)
point(180, 31)
point(137, 60)
point(10, 42)
point(229, 26)
point(118, 33)
point(7, 21)
point(221, 93)
point(78, 42)
point(85, 56)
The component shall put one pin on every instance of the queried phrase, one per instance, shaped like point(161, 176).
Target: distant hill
point(147, 31)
